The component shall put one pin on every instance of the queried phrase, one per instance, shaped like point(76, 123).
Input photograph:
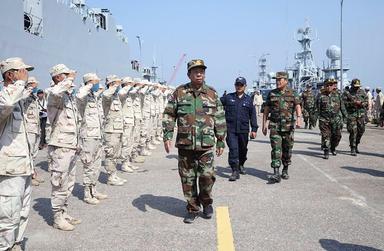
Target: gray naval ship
point(49, 32)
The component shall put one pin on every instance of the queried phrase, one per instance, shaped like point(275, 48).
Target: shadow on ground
point(43, 207)
point(78, 191)
point(43, 165)
point(103, 178)
point(172, 156)
point(333, 245)
point(165, 204)
point(371, 172)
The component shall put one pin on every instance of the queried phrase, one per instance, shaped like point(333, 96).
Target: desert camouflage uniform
point(113, 130)
point(90, 138)
point(16, 166)
point(200, 119)
point(63, 145)
point(282, 105)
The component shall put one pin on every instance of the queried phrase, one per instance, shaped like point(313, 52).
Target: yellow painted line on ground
point(224, 230)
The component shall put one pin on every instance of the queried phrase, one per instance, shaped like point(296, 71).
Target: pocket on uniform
point(118, 124)
point(184, 108)
point(184, 136)
point(208, 137)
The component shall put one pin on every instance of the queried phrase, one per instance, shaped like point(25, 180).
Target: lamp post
point(341, 46)
point(139, 40)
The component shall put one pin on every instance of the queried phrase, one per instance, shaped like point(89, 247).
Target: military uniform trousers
point(91, 152)
point(137, 132)
point(62, 165)
point(15, 202)
point(144, 135)
point(112, 149)
point(159, 129)
point(282, 144)
point(356, 129)
point(128, 142)
point(34, 142)
point(197, 175)
point(330, 134)
point(237, 143)
point(310, 116)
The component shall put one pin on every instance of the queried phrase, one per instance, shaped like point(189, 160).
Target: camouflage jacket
point(282, 106)
point(350, 97)
point(31, 114)
point(199, 115)
point(113, 114)
point(15, 158)
point(308, 100)
point(330, 106)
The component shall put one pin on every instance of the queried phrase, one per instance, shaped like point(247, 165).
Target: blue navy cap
point(241, 80)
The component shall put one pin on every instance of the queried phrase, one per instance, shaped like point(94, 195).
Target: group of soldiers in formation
point(122, 122)
point(127, 119)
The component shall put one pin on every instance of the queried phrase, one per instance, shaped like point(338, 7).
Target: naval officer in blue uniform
point(240, 115)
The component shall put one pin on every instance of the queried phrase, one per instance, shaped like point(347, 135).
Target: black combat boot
point(310, 126)
point(306, 125)
point(284, 173)
point(190, 217)
point(333, 151)
point(235, 174)
point(357, 149)
point(353, 151)
point(242, 169)
point(275, 178)
point(326, 154)
point(208, 212)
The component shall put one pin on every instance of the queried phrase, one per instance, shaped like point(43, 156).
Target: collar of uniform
point(203, 89)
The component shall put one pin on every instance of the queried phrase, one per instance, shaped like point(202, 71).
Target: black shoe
point(310, 127)
point(242, 169)
point(353, 152)
point(284, 173)
point(306, 126)
point(357, 150)
point(208, 212)
point(333, 151)
point(190, 217)
point(234, 176)
point(326, 154)
point(275, 177)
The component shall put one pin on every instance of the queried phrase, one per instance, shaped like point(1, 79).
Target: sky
point(230, 36)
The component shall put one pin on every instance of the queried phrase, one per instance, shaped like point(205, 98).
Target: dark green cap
point(196, 63)
point(281, 74)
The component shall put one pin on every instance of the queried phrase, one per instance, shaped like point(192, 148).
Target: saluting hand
point(22, 74)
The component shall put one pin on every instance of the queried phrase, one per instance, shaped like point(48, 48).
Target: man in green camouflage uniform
point(331, 110)
point(308, 105)
point(279, 109)
point(356, 103)
point(200, 119)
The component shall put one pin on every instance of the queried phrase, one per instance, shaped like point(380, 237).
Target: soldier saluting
point(200, 122)
point(280, 107)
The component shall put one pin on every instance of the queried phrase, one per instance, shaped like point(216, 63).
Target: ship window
point(27, 23)
point(102, 21)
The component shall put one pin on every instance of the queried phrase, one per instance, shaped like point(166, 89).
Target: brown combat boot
point(60, 223)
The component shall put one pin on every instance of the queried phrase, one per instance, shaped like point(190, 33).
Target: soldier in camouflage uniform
point(308, 107)
point(200, 119)
point(31, 112)
point(63, 145)
point(331, 110)
point(16, 165)
point(356, 103)
point(113, 129)
point(129, 124)
point(90, 136)
point(279, 109)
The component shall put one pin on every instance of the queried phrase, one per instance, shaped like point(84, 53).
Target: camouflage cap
point(14, 64)
point(196, 63)
point(59, 69)
point(330, 81)
point(32, 80)
point(112, 78)
point(281, 74)
point(356, 82)
point(90, 76)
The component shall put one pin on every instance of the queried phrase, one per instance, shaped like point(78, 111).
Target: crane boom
point(177, 67)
